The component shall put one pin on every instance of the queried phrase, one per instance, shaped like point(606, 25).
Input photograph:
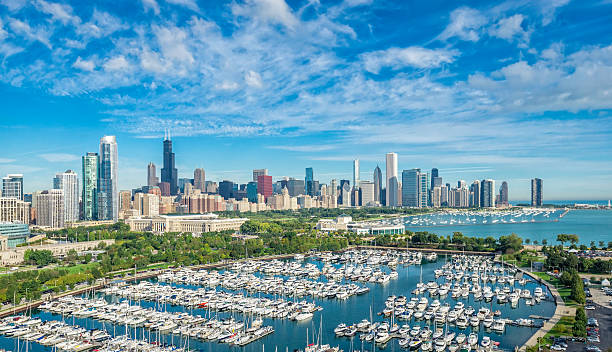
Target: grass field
point(564, 291)
point(562, 328)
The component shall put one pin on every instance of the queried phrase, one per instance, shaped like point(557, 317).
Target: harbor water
point(589, 225)
point(290, 335)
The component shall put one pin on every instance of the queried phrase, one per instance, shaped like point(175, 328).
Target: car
point(592, 322)
point(593, 339)
point(557, 348)
point(592, 348)
point(590, 307)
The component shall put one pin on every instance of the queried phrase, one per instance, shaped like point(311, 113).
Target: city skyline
point(479, 91)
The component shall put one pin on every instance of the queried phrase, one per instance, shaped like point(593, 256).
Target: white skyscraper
point(356, 174)
point(108, 193)
point(69, 183)
point(392, 180)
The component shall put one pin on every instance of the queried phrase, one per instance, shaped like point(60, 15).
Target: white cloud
point(465, 23)
point(353, 3)
point(6, 160)
point(150, 5)
point(14, 5)
point(118, 63)
point(549, 9)
point(190, 4)
point(151, 61)
point(101, 24)
point(23, 28)
point(59, 12)
point(253, 79)
point(274, 11)
point(398, 58)
point(59, 157)
point(171, 40)
point(227, 85)
point(85, 65)
point(510, 27)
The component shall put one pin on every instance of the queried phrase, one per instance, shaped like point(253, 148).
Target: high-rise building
point(258, 172)
point(434, 174)
point(264, 185)
point(12, 186)
point(487, 193)
point(367, 193)
point(461, 184)
point(199, 179)
point(423, 189)
point(436, 196)
point(537, 186)
point(410, 187)
point(50, 208)
point(69, 183)
point(125, 200)
point(309, 182)
point(251, 190)
point(415, 185)
point(345, 193)
point(14, 210)
point(108, 193)
point(475, 199)
point(378, 185)
point(152, 179)
point(503, 193)
point(333, 188)
point(436, 181)
point(295, 187)
point(356, 174)
point(169, 173)
point(226, 189)
point(392, 180)
point(89, 195)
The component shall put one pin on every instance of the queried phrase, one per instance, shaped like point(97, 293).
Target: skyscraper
point(475, 194)
point(50, 208)
point(108, 193)
point(68, 182)
point(264, 185)
point(366, 192)
point(295, 187)
point(537, 186)
point(309, 182)
point(415, 185)
point(12, 186)
point(226, 189)
point(251, 190)
point(356, 174)
point(257, 172)
point(168, 172)
point(377, 185)
point(89, 196)
point(152, 179)
point(434, 174)
point(503, 193)
point(487, 192)
point(410, 187)
point(199, 179)
point(392, 181)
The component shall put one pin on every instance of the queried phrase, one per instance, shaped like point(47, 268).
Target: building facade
point(68, 182)
point(12, 186)
point(169, 173)
point(392, 193)
point(377, 184)
point(487, 191)
point(152, 179)
point(264, 185)
point(50, 208)
point(108, 193)
point(196, 224)
point(537, 199)
point(15, 233)
point(199, 179)
point(89, 195)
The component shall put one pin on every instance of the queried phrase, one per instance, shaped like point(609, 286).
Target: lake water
point(290, 335)
point(589, 225)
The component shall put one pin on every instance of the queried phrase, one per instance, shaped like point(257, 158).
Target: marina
point(290, 304)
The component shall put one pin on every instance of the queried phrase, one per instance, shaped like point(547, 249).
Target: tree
point(562, 238)
point(544, 242)
point(38, 257)
point(535, 242)
point(527, 240)
point(510, 244)
point(593, 245)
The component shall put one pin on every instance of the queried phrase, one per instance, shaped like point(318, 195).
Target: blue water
point(291, 335)
point(589, 225)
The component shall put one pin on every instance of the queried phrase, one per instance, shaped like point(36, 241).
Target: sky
point(479, 89)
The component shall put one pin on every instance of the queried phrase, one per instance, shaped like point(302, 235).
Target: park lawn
point(79, 268)
point(564, 291)
point(563, 328)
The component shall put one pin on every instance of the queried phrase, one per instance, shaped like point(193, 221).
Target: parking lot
point(603, 314)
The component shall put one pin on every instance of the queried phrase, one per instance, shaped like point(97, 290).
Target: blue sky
point(480, 89)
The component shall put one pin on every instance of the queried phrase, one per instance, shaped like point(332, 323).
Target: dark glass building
point(168, 172)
